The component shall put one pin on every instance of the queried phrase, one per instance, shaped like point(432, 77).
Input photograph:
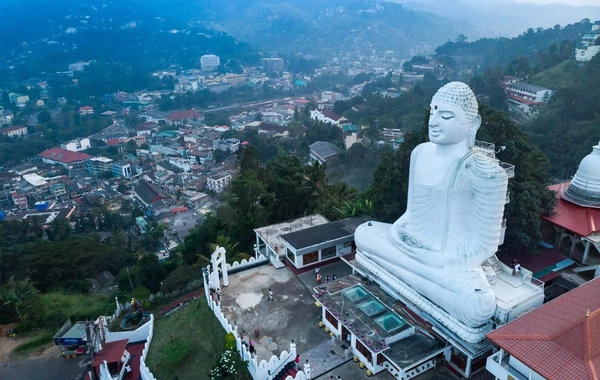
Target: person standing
point(270, 296)
point(297, 361)
point(318, 278)
point(128, 370)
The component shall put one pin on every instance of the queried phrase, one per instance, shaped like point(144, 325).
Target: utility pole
point(130, 283)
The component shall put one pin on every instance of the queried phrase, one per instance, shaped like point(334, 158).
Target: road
point(259, 103)
point(43, 369)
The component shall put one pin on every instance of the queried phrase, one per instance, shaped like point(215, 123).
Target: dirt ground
point(8, 344)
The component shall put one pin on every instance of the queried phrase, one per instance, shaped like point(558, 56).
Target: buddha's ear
point(475, 124)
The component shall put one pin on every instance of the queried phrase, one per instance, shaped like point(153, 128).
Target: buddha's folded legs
point(467, 295)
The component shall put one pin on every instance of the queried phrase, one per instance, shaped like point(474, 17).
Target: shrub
point(177, 350)
point(230, 343)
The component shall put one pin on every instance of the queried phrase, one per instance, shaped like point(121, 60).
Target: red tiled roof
point(583, 221)
point(63, 155)
point(113, 142)
point(182, 115)
point(13, 128)
point(85, 108)
point(558, 340)
point(179, 209)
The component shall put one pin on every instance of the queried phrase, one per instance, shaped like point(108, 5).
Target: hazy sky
point(570, 2)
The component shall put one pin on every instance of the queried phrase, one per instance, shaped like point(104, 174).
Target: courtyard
point(293, 315)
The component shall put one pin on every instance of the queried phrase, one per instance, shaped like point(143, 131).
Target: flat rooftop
point(270, 234)
point(409, 350)
point(363, 306)
point(323, 233)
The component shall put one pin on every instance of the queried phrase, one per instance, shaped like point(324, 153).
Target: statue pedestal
point(406, 293)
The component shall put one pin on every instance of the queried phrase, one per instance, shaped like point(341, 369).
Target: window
point(331, 319)
point(310, 258)
point(328, 253)
point(364, 351)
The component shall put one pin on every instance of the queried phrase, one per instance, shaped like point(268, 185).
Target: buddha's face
point(447, 124)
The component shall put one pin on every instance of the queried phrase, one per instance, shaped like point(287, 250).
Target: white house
point(590, 44)
point(218, 182)
point(527, 94)
point(327, 116)
point(76, 145)
point(17, 130)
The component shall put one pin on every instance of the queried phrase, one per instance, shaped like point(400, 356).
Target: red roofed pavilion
point(559, 340)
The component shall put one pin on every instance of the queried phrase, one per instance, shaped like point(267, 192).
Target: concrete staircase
point(278, 264)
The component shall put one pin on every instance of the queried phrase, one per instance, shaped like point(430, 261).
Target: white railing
point(145, 372)
point(497, 365)
point(245, 263)
point(508, 168)
point(263, 370)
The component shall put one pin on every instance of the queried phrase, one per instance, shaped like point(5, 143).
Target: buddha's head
point(454, 115)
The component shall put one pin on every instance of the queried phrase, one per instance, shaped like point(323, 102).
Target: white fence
point(245, 263)
point(263, 370)
point(145, 372)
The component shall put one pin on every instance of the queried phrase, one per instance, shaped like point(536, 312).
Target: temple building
point(576, 217)
point(556, 341)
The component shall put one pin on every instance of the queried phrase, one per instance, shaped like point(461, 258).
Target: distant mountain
point(494, 18)
point(317, 27)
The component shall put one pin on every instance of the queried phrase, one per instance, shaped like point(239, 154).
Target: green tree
point(21, 295)
point(529, 196)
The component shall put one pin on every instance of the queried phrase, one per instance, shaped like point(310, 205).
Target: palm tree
point(20, 294)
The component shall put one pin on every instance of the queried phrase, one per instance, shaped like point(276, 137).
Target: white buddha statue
point(452, 223)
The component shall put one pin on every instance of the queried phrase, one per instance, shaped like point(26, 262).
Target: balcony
point(486, 148)
point(498, 365)
point(508, 168)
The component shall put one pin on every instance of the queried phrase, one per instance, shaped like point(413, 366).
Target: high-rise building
point(273, 64)
point(99, 165)
point(209, 62)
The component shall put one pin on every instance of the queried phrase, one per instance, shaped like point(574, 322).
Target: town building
point(149, 195)
point(590, 44)
point(218, 182)
point(526, 94)
point(76, 145)
point(350, 135)
point(18, 99)
point(98, 166)
point(64, 157)
point(19, 198)
point(183, 117)
point(273, 130)
point(272, 64)
point(121, 169)
point(328, 116)
point(6, 117)
point(232, 145)
point(558, 340)
point(323, 151)
point(15, 131)
point(209, 62)
point(86, 110)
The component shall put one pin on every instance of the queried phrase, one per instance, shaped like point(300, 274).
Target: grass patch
point(37, 344)
point(197, 325)
point(560, 76)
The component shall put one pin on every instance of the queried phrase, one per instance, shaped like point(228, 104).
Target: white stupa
point(585, 186)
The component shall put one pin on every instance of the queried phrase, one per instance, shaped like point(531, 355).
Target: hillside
point(488, 53)
point(312, 27)
point(560, 76)
point(568, 126)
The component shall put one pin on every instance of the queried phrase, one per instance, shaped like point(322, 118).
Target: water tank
point(41, 205)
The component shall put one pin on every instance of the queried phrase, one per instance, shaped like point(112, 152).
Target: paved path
point(43, 369)
point(325, 357)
